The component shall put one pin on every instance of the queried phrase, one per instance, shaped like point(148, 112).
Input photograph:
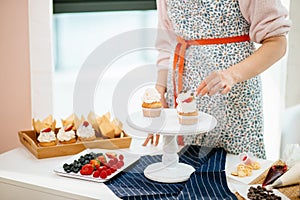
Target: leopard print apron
point(239, 113)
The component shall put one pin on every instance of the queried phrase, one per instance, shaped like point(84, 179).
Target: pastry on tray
point(47, 138)
point(110, 128)
point(151, 105)
point(186, 108)
point(118, 127)
point(86, 132)
point(92, 119)
point(106, 128)
point(66, 134)
point(69, 121)
point(39, 125)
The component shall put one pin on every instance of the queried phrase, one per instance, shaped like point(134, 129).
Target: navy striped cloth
point(207, 182)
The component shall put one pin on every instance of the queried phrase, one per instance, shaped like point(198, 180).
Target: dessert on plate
point(47, 137)
point(85, 132)
point(66, 135)
point(186, 108)
point(151, 103)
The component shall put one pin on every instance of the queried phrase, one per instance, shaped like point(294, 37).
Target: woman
point(210, 45)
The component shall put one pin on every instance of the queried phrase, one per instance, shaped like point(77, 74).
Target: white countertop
point(21, 169)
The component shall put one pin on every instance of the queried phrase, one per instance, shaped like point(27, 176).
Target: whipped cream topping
point(186, 107)
point(63, 135)
point(151, 95)
point(85, 131)
point(46, 136)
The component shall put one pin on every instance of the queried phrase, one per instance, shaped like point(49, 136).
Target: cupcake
point(186, 108)
point(151, 103)
point(66, 135)
point(47, 138)
point(85, 132)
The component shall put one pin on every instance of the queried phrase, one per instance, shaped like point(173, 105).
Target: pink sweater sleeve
point(267, 18)
point(164, 42)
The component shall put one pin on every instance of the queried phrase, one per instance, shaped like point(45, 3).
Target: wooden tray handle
point(26, 140)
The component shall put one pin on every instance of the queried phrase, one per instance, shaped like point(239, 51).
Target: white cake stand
point(170, 170)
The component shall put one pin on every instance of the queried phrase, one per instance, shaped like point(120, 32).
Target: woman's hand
point(217, 82)
point(271, 50)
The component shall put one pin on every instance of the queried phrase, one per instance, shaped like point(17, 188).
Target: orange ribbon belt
point(183, 44)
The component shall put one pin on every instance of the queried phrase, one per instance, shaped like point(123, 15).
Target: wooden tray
point(28, 139)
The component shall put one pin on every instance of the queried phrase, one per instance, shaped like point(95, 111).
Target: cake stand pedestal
point(170, 170)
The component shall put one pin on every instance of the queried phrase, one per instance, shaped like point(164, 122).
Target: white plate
point(243, 190)
point(129, 159)
point(168, 123)
point(231, 166)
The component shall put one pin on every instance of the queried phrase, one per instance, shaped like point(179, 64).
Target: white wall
point(41, 60)
point(293, 67)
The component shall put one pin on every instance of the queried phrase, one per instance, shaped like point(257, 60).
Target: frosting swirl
point(46, 136)
point(63, 135)
point(186, 102)
point(151, 95)
point(85, 131)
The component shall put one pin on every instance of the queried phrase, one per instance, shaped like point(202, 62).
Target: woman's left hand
point(217, 82)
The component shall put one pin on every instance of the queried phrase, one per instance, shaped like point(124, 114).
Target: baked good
point(85, 132)
point(39, 125)
point(92, 119)
point(151, 105)
point(47, 138)
point(118, 127)
point(69, 121)
point(110, 128)
point(186, 108)
point(66, 135)
point(106, 128)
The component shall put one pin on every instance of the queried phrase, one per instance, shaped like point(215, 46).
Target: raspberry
point(120, 164)
point(103, 174)
point(108, 171)
point(111, 162)
point(121, 157)
point(96, 174)
point(114, 167)
point(113, 170)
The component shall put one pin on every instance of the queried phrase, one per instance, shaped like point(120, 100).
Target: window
point(67, 6)
point(77, 35)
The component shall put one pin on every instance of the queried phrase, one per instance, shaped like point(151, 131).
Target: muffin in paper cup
point(151, 112)
point(187, 119)
point(186, 108)
point(151, 103)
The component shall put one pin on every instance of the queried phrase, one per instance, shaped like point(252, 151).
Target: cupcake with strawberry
point(186, 108)
point(85, 132)
point(66, 135)
point(47, 138)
